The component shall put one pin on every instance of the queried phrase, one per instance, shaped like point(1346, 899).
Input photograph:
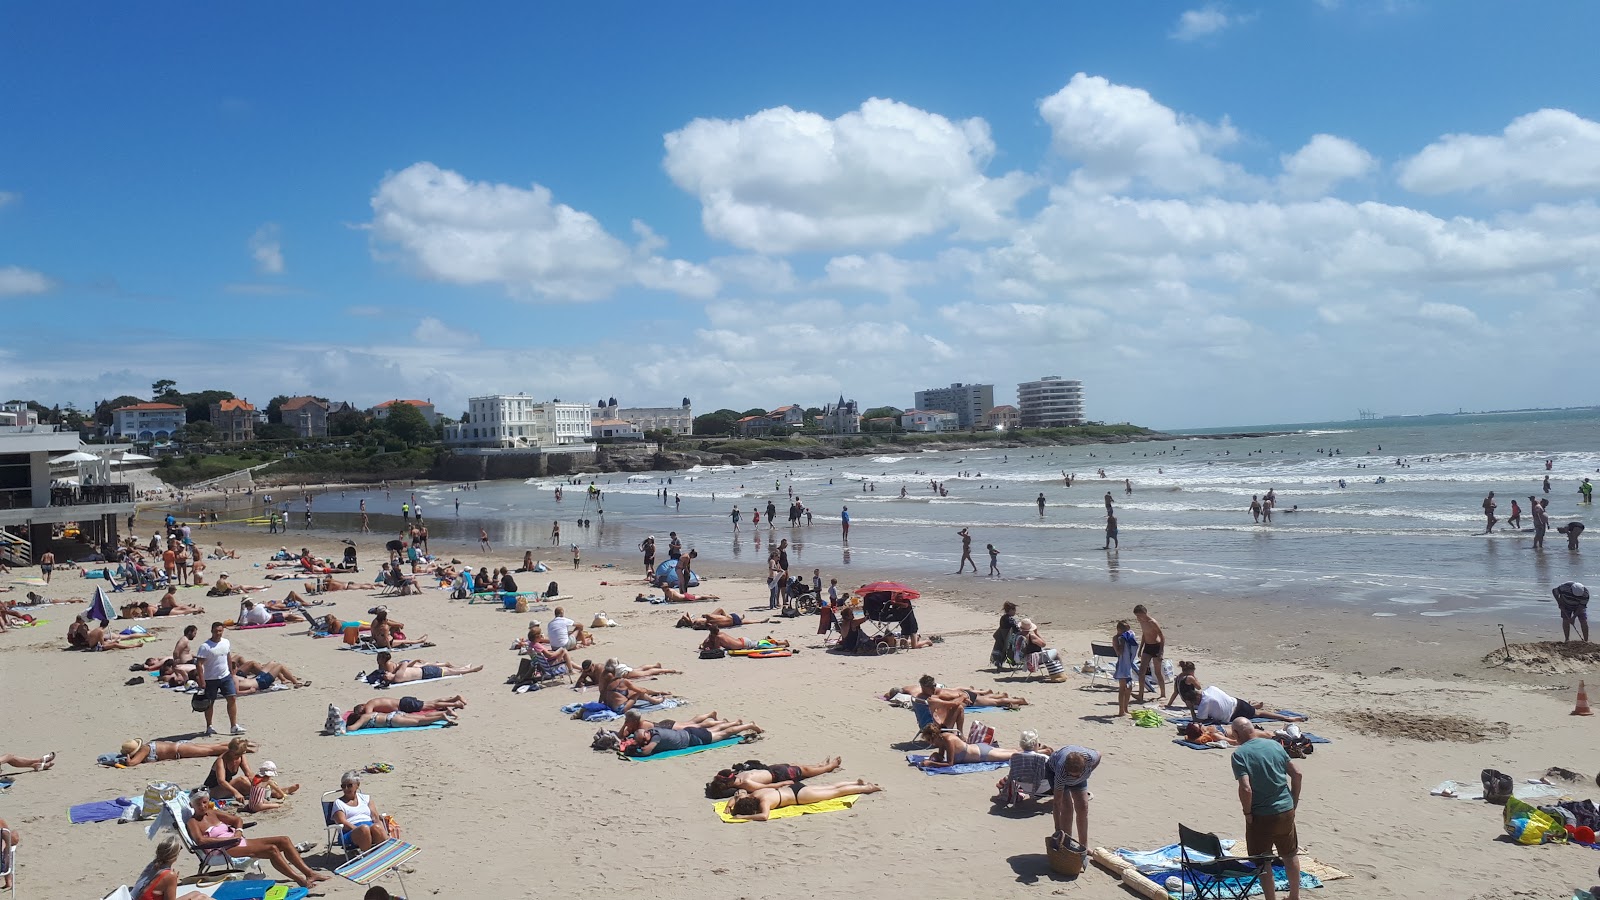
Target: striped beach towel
point(368, 866)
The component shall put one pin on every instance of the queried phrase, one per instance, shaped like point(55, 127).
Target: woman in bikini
point(212, 829)
point(620, 695)
point(949, 749)
point(230, 775)
point(633, 723)
point(589, 673)
point(715, 639)
point(138, 751)
point(727, 782)
point(388, 634)
point(757, 806)
point(159, 880)
point(361, 717)
point(718, 618)
point(399, 672)
point(81, 637)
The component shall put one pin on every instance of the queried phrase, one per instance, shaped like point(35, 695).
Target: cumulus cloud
point(267, 250)
point(766, 274)
point(1322, 164)
point(431, 330)
point(1548, 151)
point(1120, 134)
point(783, 180)
point(1203, 22)
point(878, 272)
point(449, 228)
point(16, 281)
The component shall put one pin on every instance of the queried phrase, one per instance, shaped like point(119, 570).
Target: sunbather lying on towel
point(718, 618)
point(135, 751)
point(354, 720)
point(81, 637)
point(138, 609)
point(330, 625)
point(332, 584)
point(252, 613)
point(293, 602)
point(1212, 734)
point(400, 671)
point(728, 782)
point(715, 639)
point(620, 695)
point(949, 749)
point(674, 595)
point(253, 669)
point(1213, 704)
point(169, 605)
point(635, 725)
point(446, 705)
point(663, 739)
point(926, 689)
point(620, 669)
point(212, 829)
point(758, 806)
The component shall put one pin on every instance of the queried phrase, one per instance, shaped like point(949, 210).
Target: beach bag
point(199, 703)
point(1496, 786)
point(334, 724)
point(605, 740)
point(1066, 855)
point(713, 653)
point(979, 733)
point(522, 604)
point(157, 793)
point(1527, 825)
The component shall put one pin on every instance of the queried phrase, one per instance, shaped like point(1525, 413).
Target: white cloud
point(435, 332)
point(1449, 314)
point(783, 180)
point(16, 281)
point(1119, 134)
point(766, 274)
point(1203, 22)
point(6, 198)
point(1321, 164)
point(449, 228)
point(1548, 151)
point(267, 250)
point(878, 272)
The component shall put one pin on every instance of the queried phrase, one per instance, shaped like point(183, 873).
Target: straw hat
point(131, 746)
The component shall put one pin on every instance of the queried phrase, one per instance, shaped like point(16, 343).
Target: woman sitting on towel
point(662, 740)
point(159, 880)
point(398, 672)
point(362, 717)
point(81, 637)
point(718, 618)
point(715, 639)
point(230, 774)
point(949, 750)
point(389, 634)
point(212, 829)
point(620, 695)
point(727, 782)
point(758, 806)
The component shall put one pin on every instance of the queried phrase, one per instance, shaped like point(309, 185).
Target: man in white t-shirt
point(213, 659)
point(564, 633)
point(252, 614)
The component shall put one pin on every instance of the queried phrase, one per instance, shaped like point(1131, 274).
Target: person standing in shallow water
point(1111, 532)
point(966, 553)
point(1040, 501)
point(1488, 512)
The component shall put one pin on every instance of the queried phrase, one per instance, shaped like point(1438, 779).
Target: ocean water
point(1402, 538)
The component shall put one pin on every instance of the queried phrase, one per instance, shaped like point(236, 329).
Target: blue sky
point(1210, 213)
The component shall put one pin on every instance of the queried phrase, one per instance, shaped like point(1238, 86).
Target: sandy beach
point(514, 802)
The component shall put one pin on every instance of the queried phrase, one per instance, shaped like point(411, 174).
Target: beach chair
point(1102, 651)
point(1214, 875)
point(337, 839)
point(8, 859)
point(211, 861)
point(379, 861)
point(1027, 779)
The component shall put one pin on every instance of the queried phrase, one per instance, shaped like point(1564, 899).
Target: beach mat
point(394, 730)
point(725, 742)
point(605, 714)
point(254, 627)
point(917, 759)
point(96, 811)
point(1185, 720)
point(825, 806)
point(255, 889)
point(419, 681)
point(1220, 746)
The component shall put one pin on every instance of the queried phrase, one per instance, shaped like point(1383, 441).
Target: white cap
point(1579, 589)
point(1293, 731)
point(268, 768)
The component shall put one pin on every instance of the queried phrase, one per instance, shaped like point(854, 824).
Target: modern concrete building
point(35, 506)
point(234, 420)
point(517, 420)
point(970, 402)
point(381, 411)
point(676, 419)
point(308, 416)
point(18, 412)
point(1003, 418)
point(615, 430)
point(148, 423)
point(930, 420)
point(1050, 402)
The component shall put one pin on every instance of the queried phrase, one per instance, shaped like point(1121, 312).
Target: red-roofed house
point(381, 411)
point(234, 420)
point(308, 416)
point(148, 423)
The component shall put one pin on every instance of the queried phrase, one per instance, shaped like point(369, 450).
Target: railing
point(16, 498)
point(15, 550)
point(91, 495)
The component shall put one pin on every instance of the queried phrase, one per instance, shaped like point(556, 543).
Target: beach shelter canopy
point(76, 456)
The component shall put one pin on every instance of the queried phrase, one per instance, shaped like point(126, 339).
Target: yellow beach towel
point(836, 805)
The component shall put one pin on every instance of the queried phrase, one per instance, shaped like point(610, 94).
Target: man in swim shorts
point(1572, 598)
point(1153, 642)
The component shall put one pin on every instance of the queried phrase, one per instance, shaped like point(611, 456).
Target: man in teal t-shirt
point(1269, 792)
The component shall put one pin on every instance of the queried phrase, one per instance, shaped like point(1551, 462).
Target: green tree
point(715, 423)
point(103, 409)
point(755, 411)
point(198, 404)
point(163, 388)
point(407, 423)
point(275, 410)
point(275, 431)
point(197, 431)
point(346, 422)
point(880, 412)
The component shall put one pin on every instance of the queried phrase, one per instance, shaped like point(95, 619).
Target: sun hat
point(268, 768)
point(131, 746)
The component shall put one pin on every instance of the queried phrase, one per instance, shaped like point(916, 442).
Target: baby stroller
point(349, 564)
point(889, 616)
point(802, 599)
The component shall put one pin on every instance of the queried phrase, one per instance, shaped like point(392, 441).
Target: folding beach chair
point(1102, 651)
point(211, 861)
point(380, 860)
point(1213, 875)
point(337, 839)
point(8, 859)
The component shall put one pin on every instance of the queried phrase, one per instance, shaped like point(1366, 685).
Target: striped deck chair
point(380, 860)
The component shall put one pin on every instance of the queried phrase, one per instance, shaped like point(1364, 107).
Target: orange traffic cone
point(1582, 709)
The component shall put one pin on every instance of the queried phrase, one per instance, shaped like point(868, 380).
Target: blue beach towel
point(97, 811)
point(599, 712)
point(253, 890)
point(725, 742)
point(917, 759)
point(394, 730)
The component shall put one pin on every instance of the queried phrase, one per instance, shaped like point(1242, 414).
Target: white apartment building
point(517, 420)
point(1050, 402)
point(148, 423)
point(929, 420)
point(676, 419)
point(970, 402)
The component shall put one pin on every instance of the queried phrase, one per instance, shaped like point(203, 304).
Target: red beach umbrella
point(889, 587)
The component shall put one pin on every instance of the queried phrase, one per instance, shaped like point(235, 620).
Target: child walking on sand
point(575, 556)
point(1127, 646)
